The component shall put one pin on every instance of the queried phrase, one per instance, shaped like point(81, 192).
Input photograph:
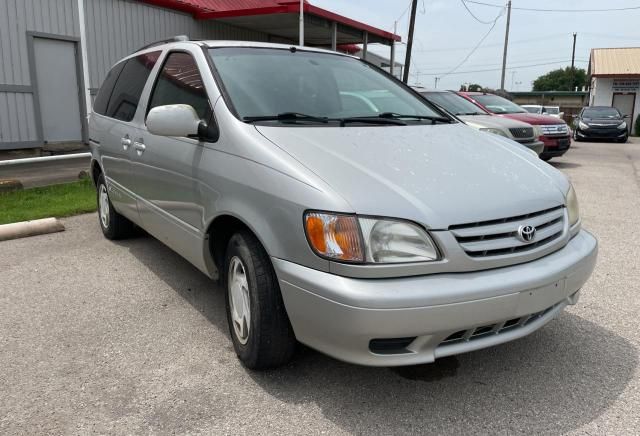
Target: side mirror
point(625, 116)
point(179, 120)
point(561, 114)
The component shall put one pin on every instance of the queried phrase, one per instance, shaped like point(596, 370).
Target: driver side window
point(180, 82)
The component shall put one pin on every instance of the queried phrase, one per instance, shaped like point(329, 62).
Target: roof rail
point(177, 38)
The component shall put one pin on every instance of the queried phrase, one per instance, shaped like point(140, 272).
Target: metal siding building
point(112, 30)
point(54, 54)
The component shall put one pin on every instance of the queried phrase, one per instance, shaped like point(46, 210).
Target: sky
point(446, 33)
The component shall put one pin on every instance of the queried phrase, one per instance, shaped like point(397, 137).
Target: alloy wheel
point(238, 288)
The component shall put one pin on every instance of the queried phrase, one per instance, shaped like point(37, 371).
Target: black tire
point(623, 140)
point(269, 341)
point(114, 226)
point(576, 137)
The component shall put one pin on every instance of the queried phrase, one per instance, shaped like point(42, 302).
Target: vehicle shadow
point(564, 165)
point(186, 280)
point(553, 381)
point(556, 380)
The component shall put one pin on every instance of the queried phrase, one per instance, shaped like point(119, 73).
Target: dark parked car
point(601, 122)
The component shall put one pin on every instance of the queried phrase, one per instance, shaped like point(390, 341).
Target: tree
point(560, 80)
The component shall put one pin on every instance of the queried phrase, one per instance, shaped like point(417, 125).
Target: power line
point(473, 50)
point(499, 44)
point(556, 10)
point(472, 14)
point(515, 64)
point(498, 69)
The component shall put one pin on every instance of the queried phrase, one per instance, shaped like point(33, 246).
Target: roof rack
point(177, 38)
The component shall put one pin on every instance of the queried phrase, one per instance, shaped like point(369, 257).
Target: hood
point(436, 175)
point(491, 121)
point(534, 119)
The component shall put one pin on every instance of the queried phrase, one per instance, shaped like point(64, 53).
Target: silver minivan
point(336, 206)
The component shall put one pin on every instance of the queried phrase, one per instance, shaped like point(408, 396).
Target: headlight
point(622, 126)
point(583, 125)
point(572, 207)
point(537, 131)
point(367, 240)
point(495, 132)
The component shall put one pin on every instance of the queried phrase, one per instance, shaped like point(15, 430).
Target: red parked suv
point(554, 132)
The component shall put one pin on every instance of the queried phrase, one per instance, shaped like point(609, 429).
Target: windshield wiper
point(287, 116)
point(368, 120)
point(395, 116)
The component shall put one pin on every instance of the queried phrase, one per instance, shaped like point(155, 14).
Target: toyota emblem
point(526, 233)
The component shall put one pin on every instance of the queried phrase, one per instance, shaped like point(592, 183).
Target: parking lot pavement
point(103, 337)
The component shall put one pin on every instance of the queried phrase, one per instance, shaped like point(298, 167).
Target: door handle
point(140, 147)
point(126, 142)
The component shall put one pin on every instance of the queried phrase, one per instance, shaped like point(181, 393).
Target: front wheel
point(260, 329)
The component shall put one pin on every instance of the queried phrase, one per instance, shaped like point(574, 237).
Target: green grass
point(51, 201)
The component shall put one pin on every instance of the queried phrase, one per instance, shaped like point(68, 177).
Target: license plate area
point(536, 300)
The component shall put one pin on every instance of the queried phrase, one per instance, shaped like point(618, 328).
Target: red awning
point(239, 12)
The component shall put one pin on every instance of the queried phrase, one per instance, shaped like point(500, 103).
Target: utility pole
point(412, 25)
point(506, 44)
point(573, 60)
point(436, 80)
point(301, 22)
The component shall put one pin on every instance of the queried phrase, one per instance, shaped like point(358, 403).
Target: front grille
point(522, 132)
point(483, 331)
point(500, 237)
point(555, 129)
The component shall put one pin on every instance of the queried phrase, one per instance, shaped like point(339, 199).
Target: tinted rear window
point(102, 99)
point(128, 88)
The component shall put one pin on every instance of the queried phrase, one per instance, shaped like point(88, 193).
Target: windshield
point(533, 109)
point(453, 103)
point(601, 112)
point(498, 105)
point(552, 110)
point(264, 82)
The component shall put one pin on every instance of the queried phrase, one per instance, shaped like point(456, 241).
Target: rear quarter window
point(127, 90)
point(104, 94)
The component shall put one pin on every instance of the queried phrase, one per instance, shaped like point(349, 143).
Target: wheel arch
point(96, 170)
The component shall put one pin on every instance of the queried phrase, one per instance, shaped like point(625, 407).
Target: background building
point(54, 54)
point(615, 79)
point(570, 102)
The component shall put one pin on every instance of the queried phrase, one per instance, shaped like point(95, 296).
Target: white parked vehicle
point(553, 111)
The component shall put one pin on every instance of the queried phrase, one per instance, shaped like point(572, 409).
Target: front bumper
point(537, 146)
point(555, 146)
point(595, 133)
point(436, 315)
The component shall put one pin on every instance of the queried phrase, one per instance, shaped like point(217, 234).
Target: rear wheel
point(113, 225)
point(260, 329)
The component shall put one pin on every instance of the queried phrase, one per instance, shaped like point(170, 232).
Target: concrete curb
point(30, 228)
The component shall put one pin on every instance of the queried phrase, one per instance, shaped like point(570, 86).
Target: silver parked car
point(518, 131)
point(336, 206)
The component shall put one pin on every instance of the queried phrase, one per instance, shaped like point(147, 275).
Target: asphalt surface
point(128, 338)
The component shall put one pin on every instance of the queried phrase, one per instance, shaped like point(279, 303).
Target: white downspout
point(84, 56)
point(301, 23)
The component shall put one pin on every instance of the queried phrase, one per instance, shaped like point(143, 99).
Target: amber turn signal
point(334, 236)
